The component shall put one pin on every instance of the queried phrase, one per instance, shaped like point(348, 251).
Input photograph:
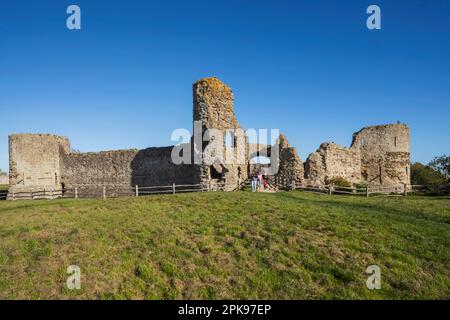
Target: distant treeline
point(437, 172)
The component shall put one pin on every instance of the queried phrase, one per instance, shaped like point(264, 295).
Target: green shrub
point(360, 185)
point(339, 182)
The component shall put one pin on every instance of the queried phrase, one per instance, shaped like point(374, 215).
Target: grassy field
point(237, 245)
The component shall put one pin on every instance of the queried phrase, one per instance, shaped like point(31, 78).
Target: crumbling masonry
point(378, 156)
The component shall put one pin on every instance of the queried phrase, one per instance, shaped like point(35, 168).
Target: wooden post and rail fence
point(137, 191)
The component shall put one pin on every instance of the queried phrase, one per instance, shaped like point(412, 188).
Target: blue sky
point(310, 68)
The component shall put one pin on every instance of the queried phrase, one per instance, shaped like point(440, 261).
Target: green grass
point(243, 245)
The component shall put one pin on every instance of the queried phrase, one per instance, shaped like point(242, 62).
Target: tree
point(442, 165)
point(426, 175)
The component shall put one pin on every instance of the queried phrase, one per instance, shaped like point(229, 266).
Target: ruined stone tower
point(214, 110)
point(385, 154)
point(35, 161)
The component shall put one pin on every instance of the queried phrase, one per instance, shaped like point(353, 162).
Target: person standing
point(254, 182)
point(260, 181)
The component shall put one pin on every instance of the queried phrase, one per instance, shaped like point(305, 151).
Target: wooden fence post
point(13, 196)
point(405, 191)
point(293, 184)
point(104, 193)
point(76, 193)
point(238, 184)
point(209, 186)
point(173, 188)
point(367, 191)
point(137, 190)
point(330, 189)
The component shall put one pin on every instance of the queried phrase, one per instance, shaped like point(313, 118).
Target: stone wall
point(378, 156)
point(35, 161)
point(285, 165)
point(290, 168)
point(44, 162)
point(385, 154)
point(333, 161)
point(120, 171)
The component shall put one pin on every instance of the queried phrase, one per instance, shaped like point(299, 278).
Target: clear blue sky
point(310, 68)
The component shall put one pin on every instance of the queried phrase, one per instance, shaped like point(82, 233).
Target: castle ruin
point(378, 156)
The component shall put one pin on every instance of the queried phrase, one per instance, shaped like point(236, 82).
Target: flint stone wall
point(120, 171)
point(291, 166)
point(44, 162)
point(34, 161)
point(332, 161)
point(214, 108)
point(214, 104)
point(378, 156)
point(385, 154)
